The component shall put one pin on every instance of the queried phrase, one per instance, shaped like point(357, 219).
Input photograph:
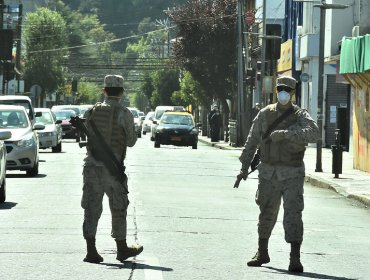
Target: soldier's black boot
point(262, 255)
point(124, 252)
point(295, 258)
point(92, 255)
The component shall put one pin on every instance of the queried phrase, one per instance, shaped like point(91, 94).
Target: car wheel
point(3, 191)
point(194, 146)
point(83, 137)
point(139, 135)
point(57, 148)
point(32, 172)
point(157, 145)
point(144, 132)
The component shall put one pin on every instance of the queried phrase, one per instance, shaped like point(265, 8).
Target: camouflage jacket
point(305, 130)
point(126, 120)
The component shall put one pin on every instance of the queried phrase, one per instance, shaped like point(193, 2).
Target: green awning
point(355, 55)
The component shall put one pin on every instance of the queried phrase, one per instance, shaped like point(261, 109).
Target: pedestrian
point(214, 119)
point(116, 124)
point(281, 142)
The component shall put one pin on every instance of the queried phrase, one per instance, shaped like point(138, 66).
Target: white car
point(20, 100)
point(147, 123)
point(4, 135)
point(137, 120)
point(23, 147)
point(51, 136)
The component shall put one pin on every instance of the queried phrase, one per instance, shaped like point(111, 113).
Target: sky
point(274, 8)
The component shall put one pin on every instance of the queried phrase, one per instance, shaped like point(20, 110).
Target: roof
point(12, 107)
point(14, 97)
point(178, 113)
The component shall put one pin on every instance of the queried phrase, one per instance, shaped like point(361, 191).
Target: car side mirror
point(155, 122)
point(38, 127)
point(58, 121)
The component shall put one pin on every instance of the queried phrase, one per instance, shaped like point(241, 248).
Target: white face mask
point(283, 97)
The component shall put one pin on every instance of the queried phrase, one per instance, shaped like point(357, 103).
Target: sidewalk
point(352, 183)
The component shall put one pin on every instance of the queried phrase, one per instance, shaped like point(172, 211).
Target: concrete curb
point(310, 178)
point(322, 183)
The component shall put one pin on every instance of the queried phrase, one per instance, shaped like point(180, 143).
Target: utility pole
point(1, 13)
point(240, 81)
point(320, 94)
point(263, 50)
point(19, 44)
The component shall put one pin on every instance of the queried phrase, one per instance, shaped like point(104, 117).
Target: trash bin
point(337, 151)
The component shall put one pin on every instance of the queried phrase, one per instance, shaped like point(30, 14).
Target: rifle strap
point(279, 120)
point(105, 145)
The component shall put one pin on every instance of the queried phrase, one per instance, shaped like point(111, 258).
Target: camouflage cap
point(113, 81)
point(286, 81)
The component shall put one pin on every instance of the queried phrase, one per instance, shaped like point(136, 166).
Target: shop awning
point(355, 55)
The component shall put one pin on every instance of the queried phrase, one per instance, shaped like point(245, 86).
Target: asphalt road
point(183, 209)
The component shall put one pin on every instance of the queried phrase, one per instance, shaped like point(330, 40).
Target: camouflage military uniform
point(98, 180)
point(278, 177)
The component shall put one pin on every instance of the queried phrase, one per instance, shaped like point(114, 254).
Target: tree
point(206, 45)
point(45, 39)
point(165, 83)
point(190, 93)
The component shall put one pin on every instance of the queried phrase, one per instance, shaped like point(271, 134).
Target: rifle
point(100, 149)
point(256, 158)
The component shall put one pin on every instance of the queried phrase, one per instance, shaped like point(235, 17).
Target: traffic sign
point(304, 77)
point(250, 18)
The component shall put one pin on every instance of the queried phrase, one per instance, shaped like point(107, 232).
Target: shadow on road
point(310, 274)
point(7, 205)
point(135, 265)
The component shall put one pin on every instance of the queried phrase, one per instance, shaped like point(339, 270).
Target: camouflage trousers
point(268, 198)
point(97, 181)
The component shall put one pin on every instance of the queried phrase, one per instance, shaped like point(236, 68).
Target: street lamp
point(320, 94)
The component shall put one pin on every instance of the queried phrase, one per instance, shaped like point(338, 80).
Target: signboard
point(285, 61)
point(304, 77)
point(250, 18)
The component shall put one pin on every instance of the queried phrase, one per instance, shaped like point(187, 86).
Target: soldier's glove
point(242, 175)
point(278, 135)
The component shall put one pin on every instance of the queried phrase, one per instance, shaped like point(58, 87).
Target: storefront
point(355, 67)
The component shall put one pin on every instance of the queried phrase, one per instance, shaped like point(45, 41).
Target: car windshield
point(134, 113)
point(64, 115)
point(177, 119)
point(149, 116)
point(13, 119)
point(45, 118)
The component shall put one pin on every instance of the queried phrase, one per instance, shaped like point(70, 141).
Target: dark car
point(176, 128)
point(68, 131)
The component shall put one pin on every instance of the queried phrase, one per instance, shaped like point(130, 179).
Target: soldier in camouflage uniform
point(115, 123)
point(281, 171)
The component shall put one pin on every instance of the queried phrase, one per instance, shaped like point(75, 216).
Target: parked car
point(51, 136)
point(158, 112)
point(176, 128)
point(75, 108)
point(21, 100)
point(137, 120)
point(85, 107)
point(4, 135)
point(23, 147)
point(147, 123)
point(68, 130)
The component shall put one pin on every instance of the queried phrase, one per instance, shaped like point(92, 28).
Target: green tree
point(190, 93)
point(45, 37)
point(207, 46)
point(88, 93)
point(165, 83)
